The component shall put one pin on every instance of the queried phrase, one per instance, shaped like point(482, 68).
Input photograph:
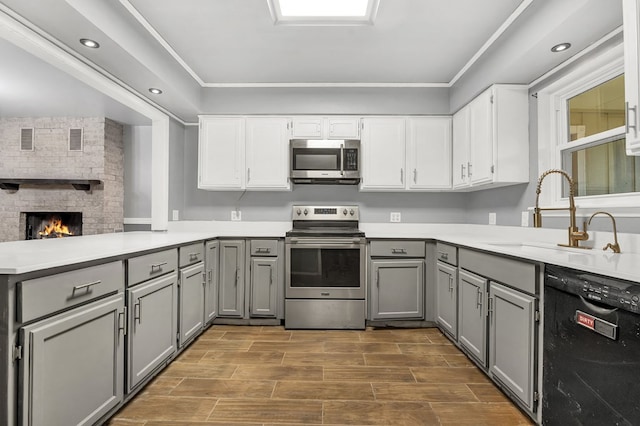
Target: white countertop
point(533, 244)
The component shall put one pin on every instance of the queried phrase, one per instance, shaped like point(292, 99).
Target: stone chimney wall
point(102, 158)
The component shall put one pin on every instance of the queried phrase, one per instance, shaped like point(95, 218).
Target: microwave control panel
point(351, 159)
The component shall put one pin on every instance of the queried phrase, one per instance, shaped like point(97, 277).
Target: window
point(595, 150)
point(581, 130)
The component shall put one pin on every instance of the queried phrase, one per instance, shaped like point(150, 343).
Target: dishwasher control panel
point(609, 291)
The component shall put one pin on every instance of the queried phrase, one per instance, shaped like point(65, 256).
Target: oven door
point(325, 268)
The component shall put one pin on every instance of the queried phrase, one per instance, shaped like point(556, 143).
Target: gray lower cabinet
point(231, 284)
point(397, 290)
point(73, 365)
point(211, 262)
point(191, 302)
point(447, 298)
point(472, 316)
point(512, 325)
point(264, 279)
point(152, 326)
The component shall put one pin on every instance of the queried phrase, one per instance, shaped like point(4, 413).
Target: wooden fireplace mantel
point(78, 184)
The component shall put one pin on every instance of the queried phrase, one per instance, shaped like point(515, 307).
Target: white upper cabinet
point(429, 153)
point(221, 153)
point(383, 153)
point(267, 153)
point(325, 128)
point(237, 153)
point(631, 23)
point(491, 139)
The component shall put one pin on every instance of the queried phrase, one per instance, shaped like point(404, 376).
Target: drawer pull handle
point(263, 250)
point(193, 256)
point(325, 293)
point(443, 255)
point(137, 311)
point(398, 251)
point(157, 267)
point(85, 286)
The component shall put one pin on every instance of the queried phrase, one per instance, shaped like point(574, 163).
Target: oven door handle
point(324, 241)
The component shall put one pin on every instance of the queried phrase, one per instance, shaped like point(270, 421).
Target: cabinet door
point(72, 368)
point(264, 279)
point(472, 316)
point(429, 153)
point(211, 262)
point(343, 128)
point(221, 153)
point(307, 128)
point(631, 23)
point(512, 352)
point(152, 326)
point(480, 167)
point(191, 299)
point(447, 298)
point(267, 153)
point(383, 153)
point(397, 289)
point(231, 291)
point(461, 143)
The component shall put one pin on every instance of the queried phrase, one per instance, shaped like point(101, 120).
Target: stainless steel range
point(325, 269)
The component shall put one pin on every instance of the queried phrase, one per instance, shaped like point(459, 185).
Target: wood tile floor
point(271, 376)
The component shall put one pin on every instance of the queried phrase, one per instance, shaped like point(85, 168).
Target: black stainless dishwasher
point(591, 359)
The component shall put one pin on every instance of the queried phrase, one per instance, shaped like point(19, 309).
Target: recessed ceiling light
point(323, 12)
point(89, 43)
point(155, 91)
point(560, 47)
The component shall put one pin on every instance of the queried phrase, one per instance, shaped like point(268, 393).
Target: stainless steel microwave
point(325, 161)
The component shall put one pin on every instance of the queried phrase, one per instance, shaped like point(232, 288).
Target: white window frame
point(553, 136)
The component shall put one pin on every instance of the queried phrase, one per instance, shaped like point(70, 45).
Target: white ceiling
point(190, 47)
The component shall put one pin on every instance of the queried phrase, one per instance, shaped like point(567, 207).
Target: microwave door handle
point(341, 159)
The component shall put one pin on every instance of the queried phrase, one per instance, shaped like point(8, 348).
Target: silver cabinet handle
point(235, 283)
point(443, 255)
point(193, 256)
point(86, 286)
point(479, 300)
point(415, 175)
point(209, 275)
point(270, 275)
point(450, 283)
point(490, 308)
point(398, 251)
point(377, 277)
point(462, 171)
point(401, 175)
point(137, 311)
point(248, 174)
point(469, 169)
point(122, 321)
point(157, 267)
point(263, 250)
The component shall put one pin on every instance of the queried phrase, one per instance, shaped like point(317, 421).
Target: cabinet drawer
point(264, 247)
point(517, 274)
point(142, 268)
point(193, 253)
point(447, 253)
point(398, 248)
point(43, 296)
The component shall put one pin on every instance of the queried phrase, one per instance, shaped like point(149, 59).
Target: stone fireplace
point(61, 165)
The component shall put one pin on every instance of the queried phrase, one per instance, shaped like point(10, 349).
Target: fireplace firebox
point(40, 225)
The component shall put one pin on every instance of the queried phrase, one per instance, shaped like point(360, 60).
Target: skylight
point(323, 12)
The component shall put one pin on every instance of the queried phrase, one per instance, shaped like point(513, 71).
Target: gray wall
point(137, 171)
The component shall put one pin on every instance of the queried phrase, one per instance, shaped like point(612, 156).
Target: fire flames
point(55, 229)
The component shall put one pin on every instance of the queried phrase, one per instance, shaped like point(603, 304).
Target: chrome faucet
point(575, 235)
point(615, 246)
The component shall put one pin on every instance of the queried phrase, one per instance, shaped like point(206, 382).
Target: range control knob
point(298, 212)
point(351, 212)
point(344, 212)
point(306, 212)
point(635, 298)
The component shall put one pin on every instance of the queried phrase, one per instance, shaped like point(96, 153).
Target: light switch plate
point(236, 215)
point(492, 218)
point(175, 215)
point(395, 217)
point(525, 219)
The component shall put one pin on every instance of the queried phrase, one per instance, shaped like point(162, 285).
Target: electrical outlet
point(492, 218)
point(525, 219)
point(395, 217)
point(175, 215)
point(236, 215)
